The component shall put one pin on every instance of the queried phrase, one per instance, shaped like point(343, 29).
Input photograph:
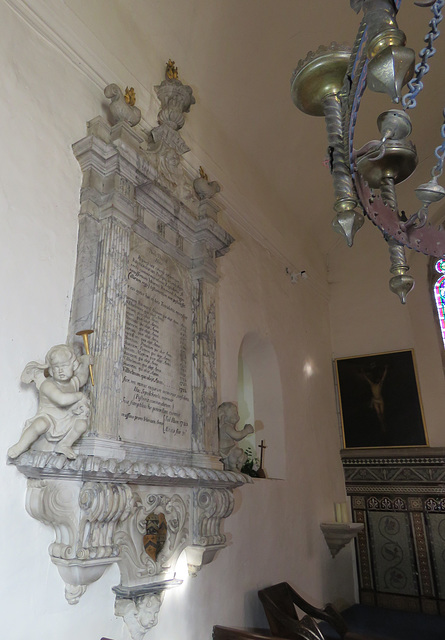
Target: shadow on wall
point(254, 615)
point(260, 402)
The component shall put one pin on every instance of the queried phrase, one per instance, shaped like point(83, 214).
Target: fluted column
point(85, 279)
point(204, 392)
point(108, 158)
point(108, 337)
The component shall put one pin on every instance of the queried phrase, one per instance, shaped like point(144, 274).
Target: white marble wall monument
point(147, 481)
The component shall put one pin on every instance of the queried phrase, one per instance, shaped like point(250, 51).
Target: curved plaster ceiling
point(238, 55)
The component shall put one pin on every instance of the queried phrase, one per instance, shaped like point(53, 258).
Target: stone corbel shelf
point(98, 508)
point(45, 464)
point(339, 534)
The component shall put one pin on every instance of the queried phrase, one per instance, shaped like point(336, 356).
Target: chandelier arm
point(341, 175)
point(425, 239)
point(388, 193)
point(401, 283)
point(396, 253)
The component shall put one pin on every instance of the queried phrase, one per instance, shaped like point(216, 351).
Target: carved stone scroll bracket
point(84, 517)
point(211, 506)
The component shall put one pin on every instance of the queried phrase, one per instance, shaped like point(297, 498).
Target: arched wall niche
point(260, 401)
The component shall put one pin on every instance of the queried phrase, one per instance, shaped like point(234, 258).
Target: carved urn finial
point(176, 98)
point(122, 106)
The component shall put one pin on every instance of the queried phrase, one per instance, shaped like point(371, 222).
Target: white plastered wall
point(366, 317)
point(274, 532)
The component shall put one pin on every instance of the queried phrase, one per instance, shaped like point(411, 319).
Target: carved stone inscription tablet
point(156, 400)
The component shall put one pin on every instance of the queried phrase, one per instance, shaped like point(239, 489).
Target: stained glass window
point(439, 294)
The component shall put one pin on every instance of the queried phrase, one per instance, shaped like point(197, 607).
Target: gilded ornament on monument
point(156, 534)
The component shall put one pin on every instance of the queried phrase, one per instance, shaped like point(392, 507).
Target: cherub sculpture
point(140, 614)
point(63, 412)
point(232, 456)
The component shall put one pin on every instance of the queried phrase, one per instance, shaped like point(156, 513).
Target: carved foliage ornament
point(171, 516)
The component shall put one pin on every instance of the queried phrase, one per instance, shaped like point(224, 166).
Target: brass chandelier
point(331, 83)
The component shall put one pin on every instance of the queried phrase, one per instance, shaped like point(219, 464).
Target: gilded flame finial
point(130, 96)
point(171, 73)
point(203, 188)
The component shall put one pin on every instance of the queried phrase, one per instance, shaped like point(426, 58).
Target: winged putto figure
point(63, 411)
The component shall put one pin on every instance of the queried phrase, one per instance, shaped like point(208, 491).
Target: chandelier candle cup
point(315, 86)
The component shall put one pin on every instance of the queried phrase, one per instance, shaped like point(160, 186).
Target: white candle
point(337, 511)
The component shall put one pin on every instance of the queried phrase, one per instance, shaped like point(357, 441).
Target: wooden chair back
point(279, 609)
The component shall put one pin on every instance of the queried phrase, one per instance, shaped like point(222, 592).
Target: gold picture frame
point(380, 404)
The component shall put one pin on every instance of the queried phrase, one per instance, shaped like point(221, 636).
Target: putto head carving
point(122, 106)
point(63, 412)
point(140, 614)
point(176, 98)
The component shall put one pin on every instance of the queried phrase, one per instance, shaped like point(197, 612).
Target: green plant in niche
point(252, 464)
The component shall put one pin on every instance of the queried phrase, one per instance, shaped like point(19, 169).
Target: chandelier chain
point(416, 85)
point(440, 152)
point(349, 91)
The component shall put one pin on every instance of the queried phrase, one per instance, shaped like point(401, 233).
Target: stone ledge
point(44, 464)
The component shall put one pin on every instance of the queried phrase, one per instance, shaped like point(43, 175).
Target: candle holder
point(339, 534)
point(85, 333)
